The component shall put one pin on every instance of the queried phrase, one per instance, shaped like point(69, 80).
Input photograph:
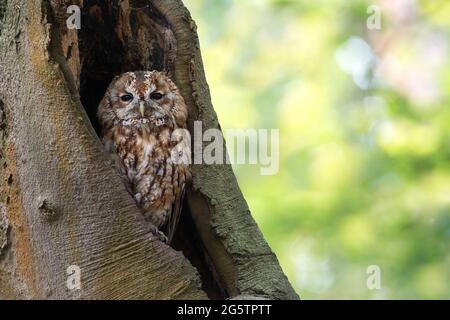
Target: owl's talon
point(138, 197)
point(162, 237)
point(159, 234)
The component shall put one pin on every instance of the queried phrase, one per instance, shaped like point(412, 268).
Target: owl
point(143, 118)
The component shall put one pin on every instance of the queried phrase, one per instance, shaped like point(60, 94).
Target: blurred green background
point(364, 119)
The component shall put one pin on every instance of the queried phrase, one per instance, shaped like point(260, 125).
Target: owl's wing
point(117, 163)
point(174, 217)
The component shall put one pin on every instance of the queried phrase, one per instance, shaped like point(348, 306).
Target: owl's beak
point(142, 109)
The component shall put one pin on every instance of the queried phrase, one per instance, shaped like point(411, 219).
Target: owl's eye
point(156, 96)
point(126, 97)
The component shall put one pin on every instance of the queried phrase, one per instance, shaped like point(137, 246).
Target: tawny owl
point(143, 116)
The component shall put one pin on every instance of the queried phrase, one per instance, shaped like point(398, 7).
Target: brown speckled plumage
point(142, 115)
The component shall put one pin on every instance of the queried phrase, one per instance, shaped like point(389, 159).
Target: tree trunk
point(62, 204)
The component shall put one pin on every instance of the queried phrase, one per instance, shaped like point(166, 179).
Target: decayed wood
point(62, 204)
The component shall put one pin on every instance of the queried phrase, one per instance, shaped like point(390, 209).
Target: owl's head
point(143, 98)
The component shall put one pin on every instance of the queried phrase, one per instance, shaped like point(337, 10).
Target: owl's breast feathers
point(156, 181)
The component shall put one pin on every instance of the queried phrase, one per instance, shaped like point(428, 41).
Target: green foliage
point(364, 127)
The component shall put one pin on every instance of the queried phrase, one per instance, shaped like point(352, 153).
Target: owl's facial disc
point(144, 98)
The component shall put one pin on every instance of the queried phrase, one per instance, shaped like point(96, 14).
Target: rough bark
point(62, 204)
